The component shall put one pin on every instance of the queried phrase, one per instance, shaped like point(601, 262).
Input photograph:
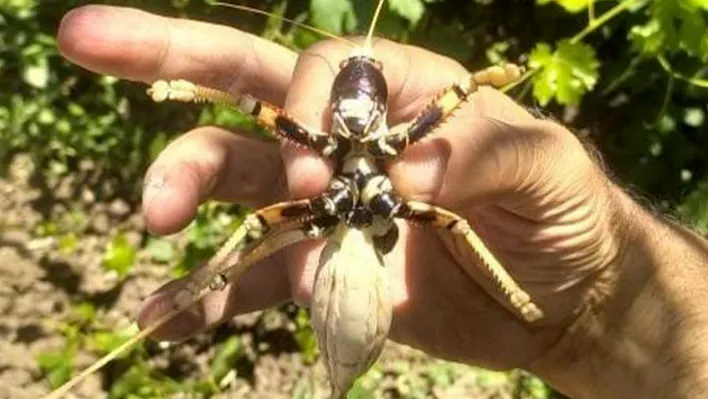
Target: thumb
point(493, 152)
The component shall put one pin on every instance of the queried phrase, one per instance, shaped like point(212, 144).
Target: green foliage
point(571, 6)
point(119, 256)
point(305, 337)
point(675, 26)
point(411, 10)
point(336, 16)
point(566, 73)
point(58, 367)
point(161, 250)
point(226, 356)
point(212, 224)
point(105, 341)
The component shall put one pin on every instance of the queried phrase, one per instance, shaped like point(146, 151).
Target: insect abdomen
point(351, 306)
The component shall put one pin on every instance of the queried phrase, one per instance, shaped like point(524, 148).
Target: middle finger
point(209, 162)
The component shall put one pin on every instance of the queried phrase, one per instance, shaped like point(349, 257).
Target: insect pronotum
point(355, 214)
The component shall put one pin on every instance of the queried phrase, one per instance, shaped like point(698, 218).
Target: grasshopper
point(356, 214)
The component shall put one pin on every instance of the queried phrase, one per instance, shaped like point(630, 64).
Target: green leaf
point(225, 358)
point(694, 117)
point(305, 337)
point(334, 16)
point(161, 251)
point(411, 10)
point(535, 388)
point(47, 229)
point(137, 382)
point(565, 74)
point(572, 6)
point(157, 144)
point(491, 379)
point(106, 341)
point(85, 312)
point(37, 75)
point(303, 389)
point(57, 366)
point(68, 243)
point(675, 26)
point(119, 256)
point(360, 391)
point(442, 374)
point(695, 207)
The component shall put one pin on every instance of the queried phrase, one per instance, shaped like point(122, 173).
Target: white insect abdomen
point(351, 307)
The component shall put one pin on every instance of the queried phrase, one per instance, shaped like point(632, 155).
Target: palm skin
point(527, 186)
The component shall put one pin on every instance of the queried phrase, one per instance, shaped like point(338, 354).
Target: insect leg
point(254, 232)
point(378, 196)
point(425, 214)
point(257, 250)
point(337, 200)
point(281, 125)
point(394, 143)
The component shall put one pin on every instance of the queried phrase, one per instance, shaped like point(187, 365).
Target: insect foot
point(351, 307)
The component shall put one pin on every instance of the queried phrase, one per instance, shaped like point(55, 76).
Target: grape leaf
point(675, 25)
point(411, 10)
point(566, 73)
point(572, 6)
point(335, 16)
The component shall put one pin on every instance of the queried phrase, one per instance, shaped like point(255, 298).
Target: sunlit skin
point(568, 235)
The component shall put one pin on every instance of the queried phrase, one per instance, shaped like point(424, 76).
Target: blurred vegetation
point(629, 76)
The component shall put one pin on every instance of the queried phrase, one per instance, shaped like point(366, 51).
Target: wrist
point(640, 333)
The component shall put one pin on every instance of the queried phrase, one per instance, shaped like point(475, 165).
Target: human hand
point(527, 186)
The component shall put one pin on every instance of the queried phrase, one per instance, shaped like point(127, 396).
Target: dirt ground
point(41, 285)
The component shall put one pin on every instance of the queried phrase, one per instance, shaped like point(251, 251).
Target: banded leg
point(250, 255)
point(281, 125)
point(257, 230)
point(393, 144)
point(422, 213)
point(322, 210)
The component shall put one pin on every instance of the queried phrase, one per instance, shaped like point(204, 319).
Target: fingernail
point(155, 182)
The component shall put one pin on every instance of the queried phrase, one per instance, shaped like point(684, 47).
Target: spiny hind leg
point(280, 125)
point(425, 214)
point(252, 240)
point(229, 270)
point(316, 214)
point(450, 99)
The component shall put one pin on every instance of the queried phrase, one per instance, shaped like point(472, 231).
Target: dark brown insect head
point(359, 94)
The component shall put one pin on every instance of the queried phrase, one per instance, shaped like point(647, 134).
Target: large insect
point(356, 213)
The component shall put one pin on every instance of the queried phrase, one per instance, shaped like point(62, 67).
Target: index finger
point(136, 45)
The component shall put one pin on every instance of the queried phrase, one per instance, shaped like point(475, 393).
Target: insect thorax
point(358, 99)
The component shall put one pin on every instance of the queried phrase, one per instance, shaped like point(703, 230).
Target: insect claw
point(314, 231)
point(514, 71)
point(218, 283)
point(159, 91)
point(254, 226)
point(531, 313)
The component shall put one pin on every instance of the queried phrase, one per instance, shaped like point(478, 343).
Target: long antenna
point(66, 387)
point(372, 25)
point(296, 23)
